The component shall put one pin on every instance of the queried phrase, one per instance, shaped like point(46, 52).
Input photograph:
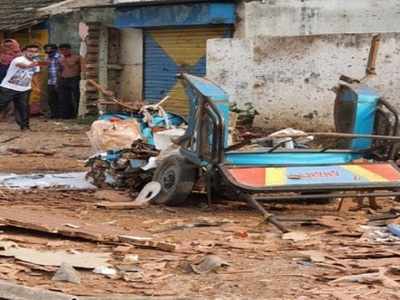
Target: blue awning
point(176, 15)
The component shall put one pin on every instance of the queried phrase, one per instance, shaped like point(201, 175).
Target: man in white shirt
point(16, 86)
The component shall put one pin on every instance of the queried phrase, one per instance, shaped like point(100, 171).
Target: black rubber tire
point(177, 177)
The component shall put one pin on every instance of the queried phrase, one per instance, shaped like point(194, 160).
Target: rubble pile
point(123, 169)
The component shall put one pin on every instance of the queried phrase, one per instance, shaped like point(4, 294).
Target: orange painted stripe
point(249, 176)
point(385, 170)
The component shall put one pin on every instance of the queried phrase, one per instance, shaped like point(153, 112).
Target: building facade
point(18, 21)
point(283, 56)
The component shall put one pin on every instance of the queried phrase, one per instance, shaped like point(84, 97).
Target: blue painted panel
point(176, 15)
point(365, 116)
point(215, 94)
point(322, 175)
point(207, 88)
point(288, 159)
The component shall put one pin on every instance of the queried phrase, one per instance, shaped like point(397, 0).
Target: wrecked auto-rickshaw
point(361, 166)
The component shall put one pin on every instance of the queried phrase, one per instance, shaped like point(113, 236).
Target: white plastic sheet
point(73, 181)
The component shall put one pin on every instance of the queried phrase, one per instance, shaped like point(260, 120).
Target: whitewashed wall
point(304, 17)
point(290, 79)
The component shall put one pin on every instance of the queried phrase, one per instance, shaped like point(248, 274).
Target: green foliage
point(247, 111)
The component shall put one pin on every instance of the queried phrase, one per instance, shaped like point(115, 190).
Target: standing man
point(53, 59)
point(9, 50)
point(70, 76)
point(17, 84)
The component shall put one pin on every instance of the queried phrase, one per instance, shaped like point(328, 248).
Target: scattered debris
point(129, 268)
point(71, 226)
point(371, 263)
point(199, 222)
point(112, 196)
point(148, 243)
point(105, 270)
point(342, 226)
point(123, 249)
point(10, 271)
point(155, 266)
point(296, 236)
point(68, 215)
point(10, 139)
point(50, 222)
point(110, 95)
point(25, 151)
point(5, 245)
point(84, 260)
point(375, 234)
point(131, 258)
point(133, 276)
point(369, 278)
point(18, 292)
point(67, 273)
point(31, 266)
point(118, 205)
point(149, 191)
point(394, 229)
point(313, 256)
point(164, 139)
point(290, 143)
point(392, 214)
point(209, 263)
point(122, 169)
point(76, 145)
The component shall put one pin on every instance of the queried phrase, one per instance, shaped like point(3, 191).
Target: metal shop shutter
point(168, 52)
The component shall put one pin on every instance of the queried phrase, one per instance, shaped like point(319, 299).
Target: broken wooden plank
point(131, 297)
point(49, 222)
point(34, 267)
point(369, 278)
point(83, 260)
point(119, 205)
point(12, 291)
point(69, 131)
point(75, 145)
point(295, 236)
point(148, 243)
point(377, 254)
point(198, 222)
point(7, 140)
point(375, 263)
point(26, 151)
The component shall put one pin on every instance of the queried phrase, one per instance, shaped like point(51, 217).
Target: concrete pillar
point(83, 34)
point(103, 56)
point(131, 60)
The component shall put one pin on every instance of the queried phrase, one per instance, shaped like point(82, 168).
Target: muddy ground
point(326, 245)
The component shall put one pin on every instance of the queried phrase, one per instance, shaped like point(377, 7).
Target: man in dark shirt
point(53, 59)
point(71, 67)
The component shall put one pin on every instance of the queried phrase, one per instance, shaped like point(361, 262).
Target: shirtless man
point(71, 66)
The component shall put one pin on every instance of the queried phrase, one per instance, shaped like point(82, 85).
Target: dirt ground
point(325, 246)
